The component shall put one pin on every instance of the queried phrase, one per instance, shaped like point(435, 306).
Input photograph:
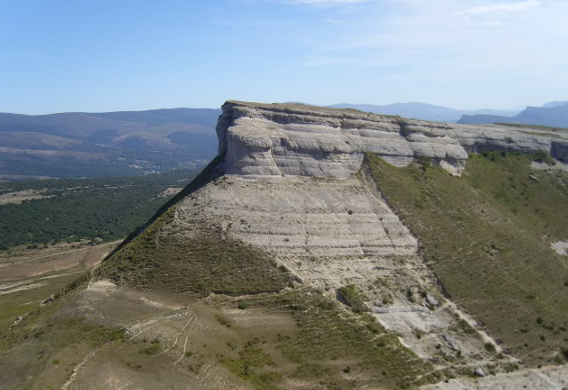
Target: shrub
point(352, 298)
point(544, 157)
point(490, 348)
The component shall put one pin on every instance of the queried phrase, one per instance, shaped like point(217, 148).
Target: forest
point(95, 209)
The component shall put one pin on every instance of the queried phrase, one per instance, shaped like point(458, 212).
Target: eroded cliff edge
point(294, 139)
point(285, 265)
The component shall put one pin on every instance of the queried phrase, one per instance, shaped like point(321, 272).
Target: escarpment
point(293, 186)
point(299, 259)
point(291, 139)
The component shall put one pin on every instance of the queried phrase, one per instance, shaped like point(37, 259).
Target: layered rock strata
point(332, 233)
point(291, 184)
point(292, 139)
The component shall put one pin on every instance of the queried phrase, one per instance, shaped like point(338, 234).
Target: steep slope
point(285, 264)
point(488, 236)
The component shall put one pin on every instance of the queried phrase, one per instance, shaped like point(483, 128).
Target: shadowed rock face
point(290, 139)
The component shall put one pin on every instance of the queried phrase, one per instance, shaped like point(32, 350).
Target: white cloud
point(493, 49)
point(501, 9)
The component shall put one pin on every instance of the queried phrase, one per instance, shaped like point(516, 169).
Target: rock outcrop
point(293, 186)
point(293, 139)
point(283, 264)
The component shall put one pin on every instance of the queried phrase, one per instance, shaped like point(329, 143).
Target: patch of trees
point(94, 209)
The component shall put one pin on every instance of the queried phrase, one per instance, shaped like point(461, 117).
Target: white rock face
point(553, 378)
point(291, 184)
point(282, 139)
point(304, 217)
point(560, 247)
point(331, 233)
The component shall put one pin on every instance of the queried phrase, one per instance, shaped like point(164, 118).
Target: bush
point(490, 348)
point(352, 298)
point(544, 157)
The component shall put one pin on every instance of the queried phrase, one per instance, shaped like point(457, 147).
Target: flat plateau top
point(300, 107)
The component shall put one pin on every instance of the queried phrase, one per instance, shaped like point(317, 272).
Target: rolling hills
point(105, 144)
point(551, 115)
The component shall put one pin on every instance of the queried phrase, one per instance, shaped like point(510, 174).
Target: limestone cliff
point(286, 265)
point(291, 184)
point(292, 139)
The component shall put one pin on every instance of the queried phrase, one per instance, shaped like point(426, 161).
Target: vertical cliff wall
point(291, 139)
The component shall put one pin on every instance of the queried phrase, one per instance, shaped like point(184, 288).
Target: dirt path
point(27, 264)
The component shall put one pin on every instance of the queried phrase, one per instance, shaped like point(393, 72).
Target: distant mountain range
point(78, 144)
point(105, 144)
point(423, 111)
point(554, 114)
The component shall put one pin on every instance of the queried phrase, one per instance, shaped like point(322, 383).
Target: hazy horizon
point(307, 103)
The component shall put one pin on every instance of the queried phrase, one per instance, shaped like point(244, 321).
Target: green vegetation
point(152, 349)
point(487, 235)
point(96, 209)
point(21, 302)
point(46, 341)
point(202, 263)
point(328, 346)
point(251, 359)
point(546, 128)
point(352, 298)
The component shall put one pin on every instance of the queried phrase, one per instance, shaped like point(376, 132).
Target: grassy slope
point(19, 303)
point(202, 264)
point(328, 348)
point(331, 347)
point(40, 341)
point(487, 236)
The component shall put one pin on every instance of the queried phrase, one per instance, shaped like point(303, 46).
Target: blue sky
point(105, 55)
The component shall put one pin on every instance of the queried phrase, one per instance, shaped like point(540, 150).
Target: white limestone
point(291, 184)
point(281, 140)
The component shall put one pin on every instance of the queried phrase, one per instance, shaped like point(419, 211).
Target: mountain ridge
point(301, 257)
point(553, 115)
point(423, 111)
point(115, 143)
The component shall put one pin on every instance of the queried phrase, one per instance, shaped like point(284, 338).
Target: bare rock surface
point(560, 247)
point(291, 184)
point(553, 378)
point(332, 233)
point(292, 139)
point(303, 217)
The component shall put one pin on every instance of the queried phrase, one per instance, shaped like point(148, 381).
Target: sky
point(109, 55)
